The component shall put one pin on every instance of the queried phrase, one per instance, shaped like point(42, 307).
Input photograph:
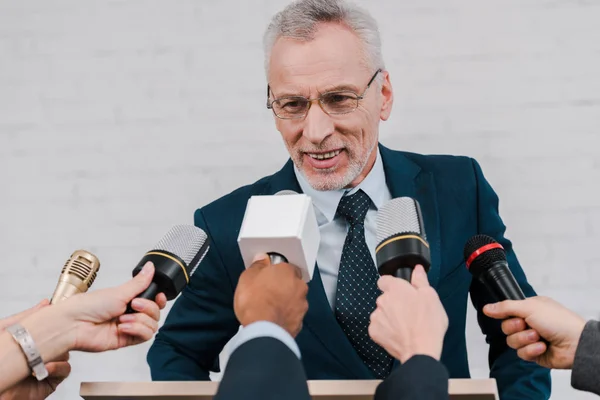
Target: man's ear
point(387, 96)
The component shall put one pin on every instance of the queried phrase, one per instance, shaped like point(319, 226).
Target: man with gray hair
point(328, 90)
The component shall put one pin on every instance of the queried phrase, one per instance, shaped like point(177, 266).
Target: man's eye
point(338, 98)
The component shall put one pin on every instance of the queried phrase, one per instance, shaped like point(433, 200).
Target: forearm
point(53, 335)
point(587, 360)
point(421, 377)
point(13, 365)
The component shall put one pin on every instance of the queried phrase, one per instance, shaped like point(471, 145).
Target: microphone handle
point(150, 294)
point(502, 283)
point(500, 280)
point(404, 273)
point(277, 258)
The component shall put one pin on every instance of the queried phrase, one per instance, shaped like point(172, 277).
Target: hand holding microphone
point(409, 319)
point(90, 322)
point(271, 292)
point(485, 259)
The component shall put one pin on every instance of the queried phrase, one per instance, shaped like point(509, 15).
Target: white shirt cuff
point(265, 329)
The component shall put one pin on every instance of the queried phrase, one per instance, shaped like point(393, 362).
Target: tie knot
point(354, 208)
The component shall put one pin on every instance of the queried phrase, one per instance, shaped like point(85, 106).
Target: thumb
point(419, 277)
point(508, 308)
point(386, 283)
point(139, 283)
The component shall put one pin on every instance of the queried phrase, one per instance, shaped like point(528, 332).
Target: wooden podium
point(460, 389)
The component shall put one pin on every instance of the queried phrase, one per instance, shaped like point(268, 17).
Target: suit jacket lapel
point(405, 178)
point(320, 319)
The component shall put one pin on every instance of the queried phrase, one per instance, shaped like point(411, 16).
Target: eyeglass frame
point(310, 101)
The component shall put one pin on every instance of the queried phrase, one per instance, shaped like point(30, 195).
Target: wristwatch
point(34, 359)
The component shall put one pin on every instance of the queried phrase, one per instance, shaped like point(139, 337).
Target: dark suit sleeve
point(421, 377)
point(263, 369)
point(587, 360)
point(198, 325)
point(517, 379)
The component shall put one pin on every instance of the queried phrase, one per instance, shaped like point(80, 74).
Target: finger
point(138, 284)
point(139, 319)
point(136, 333)
point(59, 369)
point(297, 271)
point(147, 307)
point(13, 319)
point(532, 351)
point(161, 300)
point(419, 277)
point(261, 259)
point(522, 339)
point(62, 357)
point(509, 308)
point(387, 282)
point(513, 325)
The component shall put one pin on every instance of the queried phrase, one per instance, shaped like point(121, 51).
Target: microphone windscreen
point(284, 226)
point(482, 251)
point(399, 216)
point(187, 242)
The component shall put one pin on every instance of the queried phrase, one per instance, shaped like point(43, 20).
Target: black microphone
point(402, 243)
point(485, 259)
point(175, 257)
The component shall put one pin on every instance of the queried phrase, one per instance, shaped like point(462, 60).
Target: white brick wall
point(116, 122)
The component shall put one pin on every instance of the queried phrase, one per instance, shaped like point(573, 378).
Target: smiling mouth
point(324, 156)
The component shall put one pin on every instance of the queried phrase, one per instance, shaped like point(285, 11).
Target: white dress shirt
point(334, 228)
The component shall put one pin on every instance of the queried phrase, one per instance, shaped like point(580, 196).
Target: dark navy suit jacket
point(456, 202)
point(266, 369)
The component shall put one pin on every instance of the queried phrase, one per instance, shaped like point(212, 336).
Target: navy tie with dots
point(357, 289)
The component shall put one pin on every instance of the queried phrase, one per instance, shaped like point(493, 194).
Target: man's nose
point(317, 125)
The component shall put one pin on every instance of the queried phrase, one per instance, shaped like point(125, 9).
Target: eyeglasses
point(333, 103)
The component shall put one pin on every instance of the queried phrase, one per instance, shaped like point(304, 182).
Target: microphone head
point(401, 238)
point(285, 227)
point(77, 275)
point(482, 252)
point(399, 216)
point(176, 257)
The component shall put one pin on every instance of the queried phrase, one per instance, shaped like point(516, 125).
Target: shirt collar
point(326, 202)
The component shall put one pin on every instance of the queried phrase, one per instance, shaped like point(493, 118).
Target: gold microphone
point(77, 275)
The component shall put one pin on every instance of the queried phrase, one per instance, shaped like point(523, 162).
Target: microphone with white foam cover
point(401, 238)
point(284, 226)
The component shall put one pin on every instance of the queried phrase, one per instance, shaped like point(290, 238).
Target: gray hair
point(300, 20)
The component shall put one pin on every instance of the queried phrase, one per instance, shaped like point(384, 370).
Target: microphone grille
point(185, 241)
point(399, 215)
point(486, 258)
point(285, 192)
point(84, 265)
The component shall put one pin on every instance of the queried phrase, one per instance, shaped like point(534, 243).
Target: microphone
point(284, 226)
point(175, 257)
point(485, 259)
point(402, 243)
point(78, 274)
